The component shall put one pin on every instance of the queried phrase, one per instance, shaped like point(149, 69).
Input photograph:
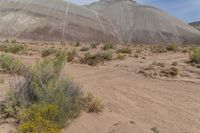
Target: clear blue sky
point(186, 10)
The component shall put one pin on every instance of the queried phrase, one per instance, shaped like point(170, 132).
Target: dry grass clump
point(172, 72)
point(93, 104)
point(125, 50)
point(194, 55)
point(12, 48)
point(11, 65)
point(121, 56)
point(157, 69)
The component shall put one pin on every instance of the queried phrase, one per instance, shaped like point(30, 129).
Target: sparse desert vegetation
point(12, 48)
point(112, 66)
point(44, 99)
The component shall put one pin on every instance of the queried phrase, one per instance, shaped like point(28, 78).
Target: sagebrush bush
point(45, 100)
point(10, 64)
point(108, 46)
point(125, 50)
point(194, 55)
point(12, 48)
point(71, 55)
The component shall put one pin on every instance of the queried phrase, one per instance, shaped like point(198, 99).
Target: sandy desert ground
point(135, 99)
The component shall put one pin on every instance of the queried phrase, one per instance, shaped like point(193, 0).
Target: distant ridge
point(121, 21)
point(135, 23)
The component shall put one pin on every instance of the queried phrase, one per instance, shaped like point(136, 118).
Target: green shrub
point(124, 50)
point(195, 55)
point(84, 49)
point(48, 52)
point(10, 64)
point(45, 85)
point(108, 46)
point(71, 55)
point(172, 47)
point(12, 48)
point(39, 118)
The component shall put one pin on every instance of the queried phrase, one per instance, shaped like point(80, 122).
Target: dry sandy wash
point(134, 103)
